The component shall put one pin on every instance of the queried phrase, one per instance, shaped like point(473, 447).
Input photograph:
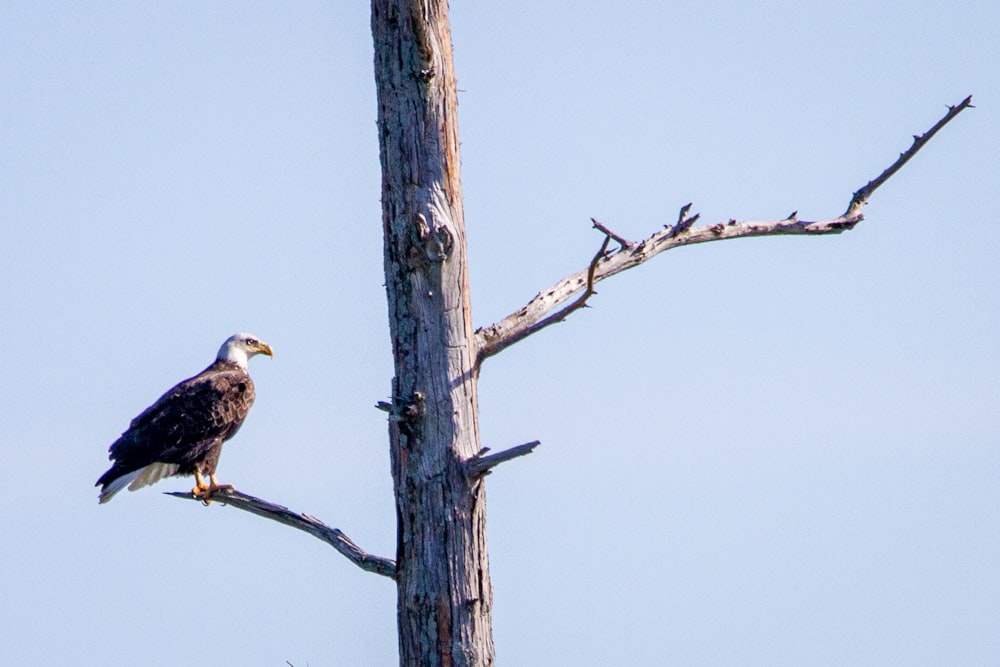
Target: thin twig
point(618, 239)
point(481, 464)
point(533, 316)
point(332, 536)
point(919, 141)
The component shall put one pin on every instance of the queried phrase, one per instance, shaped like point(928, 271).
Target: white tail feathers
point(137, 479)
point(153, 473)
point(111, 488)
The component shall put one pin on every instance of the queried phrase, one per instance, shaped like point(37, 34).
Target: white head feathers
point(238, 349)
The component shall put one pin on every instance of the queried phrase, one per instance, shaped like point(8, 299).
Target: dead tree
point(441, 567)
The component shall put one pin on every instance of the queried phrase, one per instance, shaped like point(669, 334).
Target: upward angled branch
point(586, 279)
point(535, 314)
point(919, 140)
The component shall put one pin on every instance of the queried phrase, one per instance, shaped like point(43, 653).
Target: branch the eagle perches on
point(310, 524)
point(538, 314)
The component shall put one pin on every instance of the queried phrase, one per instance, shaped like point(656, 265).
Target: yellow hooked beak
point(262, 348)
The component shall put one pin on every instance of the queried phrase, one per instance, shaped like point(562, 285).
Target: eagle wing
point(185, 423)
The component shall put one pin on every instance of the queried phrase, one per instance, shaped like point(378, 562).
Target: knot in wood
point(437, 240)
point(438, 244)
point(414, 409)
point(431, 244)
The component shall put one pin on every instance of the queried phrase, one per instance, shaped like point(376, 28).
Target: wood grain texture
point(445, 595)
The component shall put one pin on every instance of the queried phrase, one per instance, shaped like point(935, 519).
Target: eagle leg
point(215, 486)
point(201, 490)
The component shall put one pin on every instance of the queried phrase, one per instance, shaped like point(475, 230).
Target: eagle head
point(238, 348)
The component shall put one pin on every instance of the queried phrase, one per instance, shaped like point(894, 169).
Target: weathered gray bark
point(445, 594)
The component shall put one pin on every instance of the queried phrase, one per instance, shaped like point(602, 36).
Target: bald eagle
point(183, 431)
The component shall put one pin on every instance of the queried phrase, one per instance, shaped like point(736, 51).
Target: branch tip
point(607, 232)
point(683, 221)
point(862, 195)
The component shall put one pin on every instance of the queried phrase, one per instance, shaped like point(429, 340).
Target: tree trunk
point(444, 590)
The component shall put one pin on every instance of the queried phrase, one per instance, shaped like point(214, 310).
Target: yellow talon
point(204, 491)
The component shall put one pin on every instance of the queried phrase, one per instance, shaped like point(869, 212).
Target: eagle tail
point(137, 479)
point(114, 486)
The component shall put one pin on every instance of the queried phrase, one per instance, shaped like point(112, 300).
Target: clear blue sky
point(769, 451)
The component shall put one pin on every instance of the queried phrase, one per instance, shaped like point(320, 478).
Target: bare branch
point(584, 278)
point(533, 316)
point(919, 141)
point(481, 464)
point(332, 536)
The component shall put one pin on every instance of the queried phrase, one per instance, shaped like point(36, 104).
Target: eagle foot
point(204, 493)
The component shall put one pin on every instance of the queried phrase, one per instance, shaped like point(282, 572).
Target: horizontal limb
point(332, 536)
point(535, 315)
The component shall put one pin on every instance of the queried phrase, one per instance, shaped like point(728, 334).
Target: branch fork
point(538, 312)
